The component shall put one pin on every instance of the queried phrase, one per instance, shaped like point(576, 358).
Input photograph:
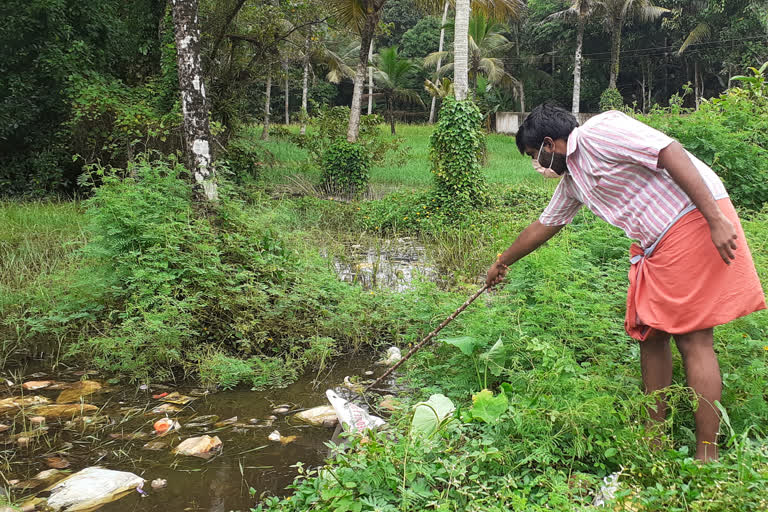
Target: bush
point(611, 100)
point(330, 124)
point(345, 168)
point(456, 149)
point(730, 134)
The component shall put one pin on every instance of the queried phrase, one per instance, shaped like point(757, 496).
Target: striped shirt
point(612, 169)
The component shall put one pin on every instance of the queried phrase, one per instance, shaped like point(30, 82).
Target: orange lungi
point(684, 285)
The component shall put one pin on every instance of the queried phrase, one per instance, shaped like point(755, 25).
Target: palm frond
point(700, 32)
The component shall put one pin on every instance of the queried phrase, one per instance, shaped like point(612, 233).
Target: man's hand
point(724, 237)
point(496, 274)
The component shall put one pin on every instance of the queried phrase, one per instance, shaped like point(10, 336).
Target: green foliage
point(423, 38)
point(345, 168)
point(456, 149)
point(611, 100)
point(730, 134)
point(111, 123)
point(246, 159)
point(42, 44)
point(330, 124)
point(259, 372)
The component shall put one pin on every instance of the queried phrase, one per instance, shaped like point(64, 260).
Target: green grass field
point(505, 165)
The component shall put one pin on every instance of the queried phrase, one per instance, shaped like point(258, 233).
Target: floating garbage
point(57, 462)
point(353, 418)
point(155, 446)
point(78, 390)
point(159, 483)
point(225, 423)
point(166, 409)
point(55, 411)
point(17, 402)
point(165, 425)
point(177, 398)
point(393, 356)
point(204, 447)
point(92, 487)
point(277, 437)
point(608, 490)
point(282, 409)
point(34, 385)
point(47, 478)
point(355, 387)
point(322, 416)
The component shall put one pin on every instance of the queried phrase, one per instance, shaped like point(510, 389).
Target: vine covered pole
point(429, 337)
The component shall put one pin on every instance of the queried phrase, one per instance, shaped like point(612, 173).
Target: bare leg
point(656, 366)
point(703, 374)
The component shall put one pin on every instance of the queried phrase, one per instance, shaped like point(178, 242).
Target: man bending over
point(690, 269)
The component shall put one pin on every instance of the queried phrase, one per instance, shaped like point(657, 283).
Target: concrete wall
point(509, 122)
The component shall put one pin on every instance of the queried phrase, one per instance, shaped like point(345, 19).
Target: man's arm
point(674, 159)
point(526, 242)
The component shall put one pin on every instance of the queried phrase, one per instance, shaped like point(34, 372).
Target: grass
point(36, 240)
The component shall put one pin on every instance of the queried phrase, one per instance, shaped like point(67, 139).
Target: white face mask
point(547, 172)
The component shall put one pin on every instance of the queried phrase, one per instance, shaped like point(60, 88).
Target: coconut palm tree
point(393, 75)
point(497, 9)
point(614, 14)
point(580, 11)
point(485, 44)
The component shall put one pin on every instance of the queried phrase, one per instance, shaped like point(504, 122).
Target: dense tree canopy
point(58, 55)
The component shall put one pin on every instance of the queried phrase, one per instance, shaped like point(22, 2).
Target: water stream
point(124, 424)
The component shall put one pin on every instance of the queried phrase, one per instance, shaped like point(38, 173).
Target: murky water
point(249, 460)
point(385, 263)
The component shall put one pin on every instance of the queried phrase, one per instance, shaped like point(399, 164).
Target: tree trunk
point(615, 50)
point(522, 97)
point(391, 109)
point(305, 85)
point(265, 131)
point(371, 19)
point(370, 79)
point(287, 97)
point(577, 67)
point(439, 60)
point(696, 85)
point(196, 129)
point(461, 50)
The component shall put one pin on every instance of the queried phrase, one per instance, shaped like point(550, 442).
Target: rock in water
point(204, 447)
point(77, 391)
point(92, 487)
point(323, 416)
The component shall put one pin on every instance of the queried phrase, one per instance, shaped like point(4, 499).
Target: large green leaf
point(495, 358)
point(427, 416)
point(487, 407)
point(466, 344)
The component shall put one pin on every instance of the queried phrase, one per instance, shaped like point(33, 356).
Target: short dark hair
point(544, 121)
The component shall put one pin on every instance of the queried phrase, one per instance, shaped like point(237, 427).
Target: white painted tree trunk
point(305, 85)
point(370, 79)
point(439, 60)
point(265, 131)
point(577, 67)
point(197, 133)
point(461, 50)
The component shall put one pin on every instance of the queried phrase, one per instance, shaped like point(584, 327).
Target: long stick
point(429, 336)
